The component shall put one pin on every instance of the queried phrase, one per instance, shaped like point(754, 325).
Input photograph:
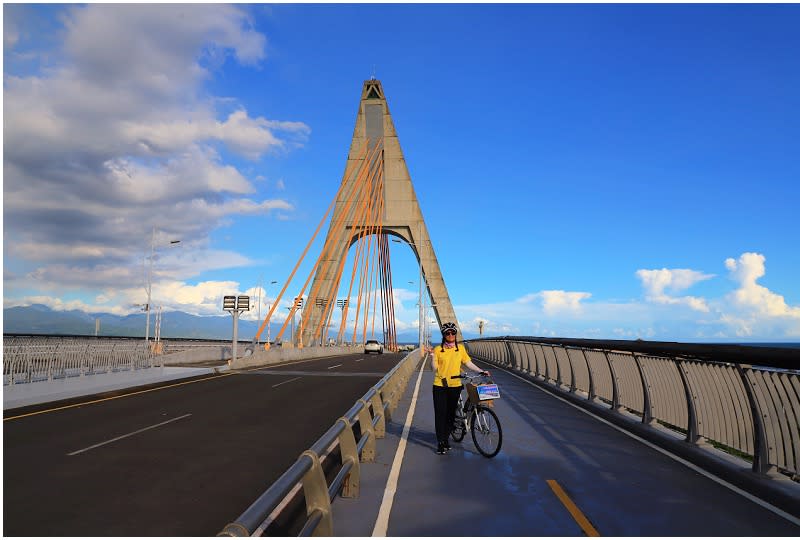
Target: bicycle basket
point(482, 393)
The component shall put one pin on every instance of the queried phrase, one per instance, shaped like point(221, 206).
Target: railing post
point(647, 413)
point(572, 386)
point(761, 450)
point(512, 357)
point(377, 410)
point(111, 358)
point(315, 489)
point(365, 423)
point(84, 357)
point(692, 435)
point(614, 386)
point(592, 395)
point(558, 367)
point(349, 451)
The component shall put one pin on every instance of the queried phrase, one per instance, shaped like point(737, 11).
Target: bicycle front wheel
point(486, 431)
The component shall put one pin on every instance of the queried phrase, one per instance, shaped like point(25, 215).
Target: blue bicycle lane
point(560, 472)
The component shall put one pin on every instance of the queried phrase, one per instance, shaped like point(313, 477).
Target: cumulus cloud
point(120, 135)
point(657, 282)
point(756, 309)
point(556, 301)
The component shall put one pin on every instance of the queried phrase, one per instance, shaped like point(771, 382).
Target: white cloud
point(556, 301)
point(752, 308)
point(563, 301)
point(121, 130)
point(656, 282)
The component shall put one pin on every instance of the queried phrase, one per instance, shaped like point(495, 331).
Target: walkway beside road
point(24, 394)
point(561, 472)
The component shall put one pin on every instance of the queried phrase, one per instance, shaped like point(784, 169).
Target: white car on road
point(373, 346)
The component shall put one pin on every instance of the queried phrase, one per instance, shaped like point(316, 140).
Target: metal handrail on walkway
point(752, 409)
point(307, 470)
point(33, 359)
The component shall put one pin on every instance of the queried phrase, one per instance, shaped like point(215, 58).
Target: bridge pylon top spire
point(373, 89)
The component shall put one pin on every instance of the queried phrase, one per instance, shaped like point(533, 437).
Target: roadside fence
point(29, 359)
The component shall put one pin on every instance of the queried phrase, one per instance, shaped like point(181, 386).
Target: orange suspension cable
point(294, 304)
point(377, 259)
point(369, 261)
point(366, 232)
point(280, 295)
point(333, 241)
point(359, 251)
point(359, 226)
point(324, 315)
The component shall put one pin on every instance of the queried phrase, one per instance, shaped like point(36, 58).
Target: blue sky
point(615, 171)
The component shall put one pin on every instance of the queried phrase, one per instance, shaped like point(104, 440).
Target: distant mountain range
point(40, 319)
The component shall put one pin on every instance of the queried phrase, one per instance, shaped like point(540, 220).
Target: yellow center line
point(116, 397)
point(151, 390)
point(577, 515)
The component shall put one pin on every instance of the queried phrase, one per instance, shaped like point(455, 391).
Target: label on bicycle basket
point(488, 391)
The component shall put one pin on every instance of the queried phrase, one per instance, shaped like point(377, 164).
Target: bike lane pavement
point(609, 484)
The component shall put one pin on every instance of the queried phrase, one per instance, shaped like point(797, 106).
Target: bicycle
point(476, 416)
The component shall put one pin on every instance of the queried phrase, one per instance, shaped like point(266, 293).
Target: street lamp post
point(298, 304)
point(269, 307)
point(342, 303)
point(428, 332)
point(235, 305)
point(150, 281)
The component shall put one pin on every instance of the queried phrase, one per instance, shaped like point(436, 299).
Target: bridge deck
point(622, 486)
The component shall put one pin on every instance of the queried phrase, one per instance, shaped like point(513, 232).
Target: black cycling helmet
point(449, 327)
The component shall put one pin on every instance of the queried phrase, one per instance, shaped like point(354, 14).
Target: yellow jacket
point(448, 362)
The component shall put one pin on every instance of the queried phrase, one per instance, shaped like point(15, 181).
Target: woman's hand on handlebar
point(484, 373)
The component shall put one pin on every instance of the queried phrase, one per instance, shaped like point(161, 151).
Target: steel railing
point(33, 359)
point(370, 414)
point(752, 409)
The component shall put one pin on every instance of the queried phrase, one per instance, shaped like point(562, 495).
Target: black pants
point(445, 400)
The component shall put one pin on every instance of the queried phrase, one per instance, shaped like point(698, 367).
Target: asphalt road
point(180, 460)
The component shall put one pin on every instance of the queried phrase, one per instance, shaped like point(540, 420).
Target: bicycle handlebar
point(470, 377)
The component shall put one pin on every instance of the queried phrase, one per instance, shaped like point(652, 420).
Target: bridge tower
point(375, 138)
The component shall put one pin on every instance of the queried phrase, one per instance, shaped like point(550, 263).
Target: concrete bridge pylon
point(375, 138)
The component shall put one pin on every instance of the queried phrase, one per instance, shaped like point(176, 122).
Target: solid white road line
point(692, 466)
point(382, 522)
point(337, 365)
point(284, 382)
point(75, 453)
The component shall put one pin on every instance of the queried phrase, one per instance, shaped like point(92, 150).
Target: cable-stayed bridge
point(315, 437)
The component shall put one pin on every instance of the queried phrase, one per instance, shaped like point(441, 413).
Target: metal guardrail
point(370, 413)
point(754, 410)
point(33, 359)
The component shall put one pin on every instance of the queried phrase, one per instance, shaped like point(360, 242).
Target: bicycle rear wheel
point(486, 431)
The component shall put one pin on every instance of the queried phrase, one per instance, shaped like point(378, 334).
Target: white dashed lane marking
point(76, 452)
point(284, 382)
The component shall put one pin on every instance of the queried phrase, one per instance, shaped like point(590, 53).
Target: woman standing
point(447, 361)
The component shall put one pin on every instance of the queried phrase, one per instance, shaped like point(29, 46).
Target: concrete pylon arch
point(402, 216)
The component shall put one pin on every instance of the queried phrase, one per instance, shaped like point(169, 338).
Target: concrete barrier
point(199, 355)
point(278, 354)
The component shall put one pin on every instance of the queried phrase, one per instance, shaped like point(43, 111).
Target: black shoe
point(441, 450)
point(447, 446)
